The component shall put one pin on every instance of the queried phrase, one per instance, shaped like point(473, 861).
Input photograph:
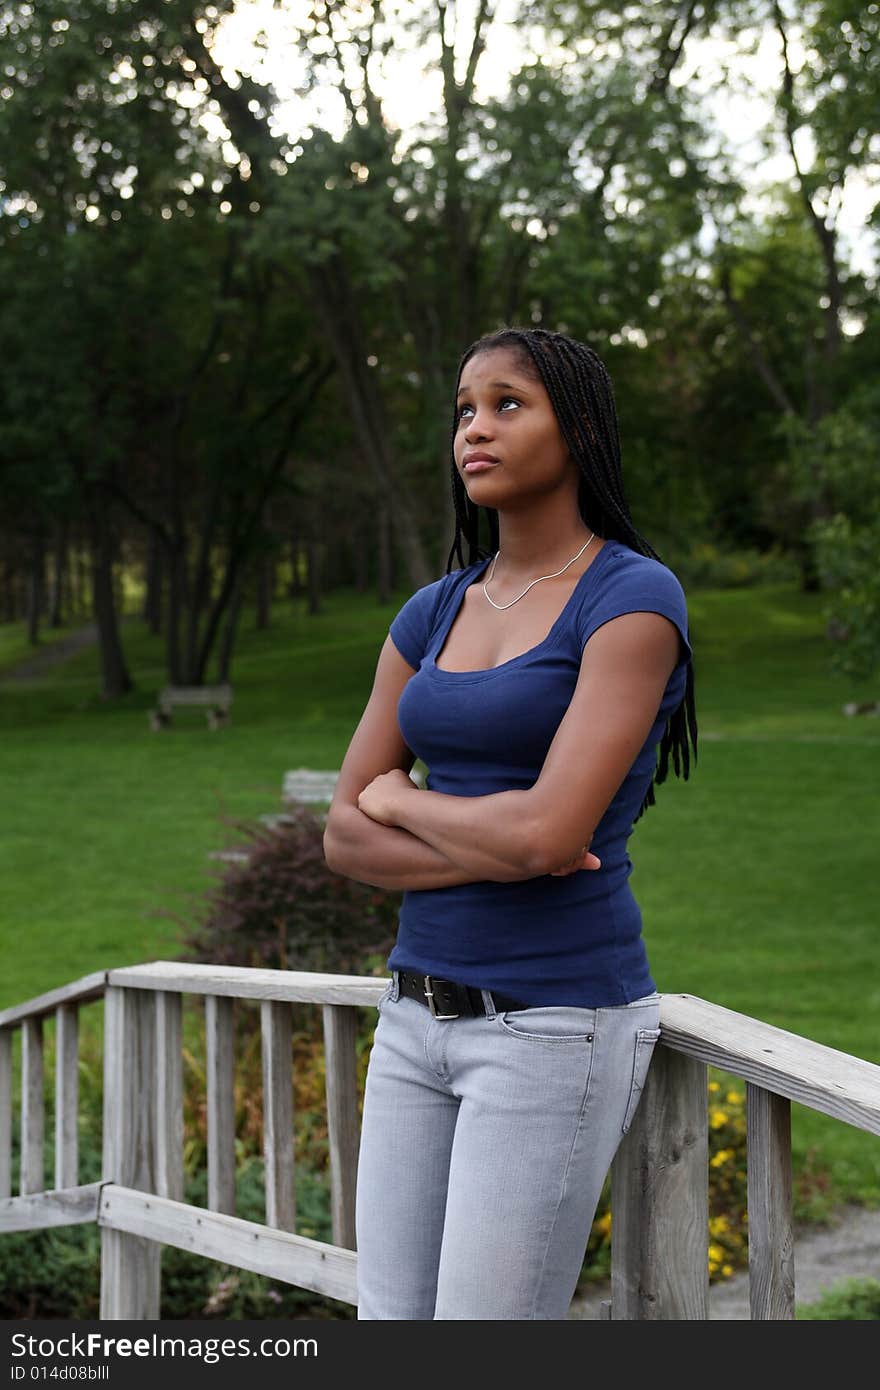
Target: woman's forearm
point(468, 828)
point(394, 857)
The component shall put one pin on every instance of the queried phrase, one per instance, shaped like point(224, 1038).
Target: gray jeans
point(484, 1146)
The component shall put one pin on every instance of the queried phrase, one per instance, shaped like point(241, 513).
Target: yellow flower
point(714, 1086)
point(727, 1270)
point(602, 1224)
point(716, 1254)
point(722, 1156)
point(717, 1118)
point(734, 1097)
point(718, 1225)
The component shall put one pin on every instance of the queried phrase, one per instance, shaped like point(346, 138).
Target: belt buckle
point(429, 995)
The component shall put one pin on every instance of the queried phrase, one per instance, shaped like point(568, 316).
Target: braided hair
point(582, 397)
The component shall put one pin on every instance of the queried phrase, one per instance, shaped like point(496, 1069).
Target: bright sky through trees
point(260, 39)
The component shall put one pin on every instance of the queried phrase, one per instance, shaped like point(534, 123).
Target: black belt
point(446, 999)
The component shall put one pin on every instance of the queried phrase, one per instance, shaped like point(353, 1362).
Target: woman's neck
point(531, 544)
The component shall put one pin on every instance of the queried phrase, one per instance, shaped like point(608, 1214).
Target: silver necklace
point(555, 575)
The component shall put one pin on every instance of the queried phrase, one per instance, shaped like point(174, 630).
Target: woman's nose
point(478, 427)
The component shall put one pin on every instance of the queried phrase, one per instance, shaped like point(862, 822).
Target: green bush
point(852, 1300)
point(282, 908)
point(707, 565)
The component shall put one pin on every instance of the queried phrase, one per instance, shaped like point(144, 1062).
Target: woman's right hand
point(582, 860)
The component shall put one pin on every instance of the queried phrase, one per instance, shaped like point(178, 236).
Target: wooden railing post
point(5, 1112)
point(771, 1242)
point(660, 1198)
point(32, 1177)
point(340, 1065)
point(277, 1054)
point(66, 1095)
point(130, 1270)
point(220, 1054)
point(169, 1095)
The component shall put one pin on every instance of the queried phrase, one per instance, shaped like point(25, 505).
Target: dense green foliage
point(249, 332)
point(850, 1300)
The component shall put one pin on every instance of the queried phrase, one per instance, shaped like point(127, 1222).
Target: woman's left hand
point(380, 798)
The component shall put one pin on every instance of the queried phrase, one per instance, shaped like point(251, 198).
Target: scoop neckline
point(479, 673)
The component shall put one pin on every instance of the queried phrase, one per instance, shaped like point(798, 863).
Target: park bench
point(217, 698)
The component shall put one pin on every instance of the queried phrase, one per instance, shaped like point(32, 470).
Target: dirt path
point(822, 1256)
point(48, 657)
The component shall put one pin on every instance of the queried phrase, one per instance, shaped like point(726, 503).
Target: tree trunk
point(360, 561)
point(313, 559)
point(176, 560)
point(336, 305)
point(58, 576)
point(116, 680)
point(227, 641)
point(154, 582)
point(264, 576)
point(383, 555)
point(7, 594)
point(79, 602)
point(295, 587)
point(35, 587)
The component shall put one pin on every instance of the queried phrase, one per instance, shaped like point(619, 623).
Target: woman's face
point(508, 448)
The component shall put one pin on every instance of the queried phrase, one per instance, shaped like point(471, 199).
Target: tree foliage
point(208, 323)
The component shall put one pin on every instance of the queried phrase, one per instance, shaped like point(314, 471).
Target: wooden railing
point(659, 1190)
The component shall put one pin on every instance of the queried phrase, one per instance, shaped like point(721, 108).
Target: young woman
point(536, 683)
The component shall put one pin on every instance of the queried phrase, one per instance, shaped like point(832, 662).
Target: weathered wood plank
point(169, 1095)
point(129, 1264)
point(832, 1082)
point(219, 1047)
point(66, 1095)
point(660, 1198)
point(241, 982)
point(78, 992)
point(340, 1066)
point(130, 1277)
point(32, 1177)
point(771, 1240)
point(293, 1259)
point(277, 1043)
point(71, 1207)
point(5, 1112)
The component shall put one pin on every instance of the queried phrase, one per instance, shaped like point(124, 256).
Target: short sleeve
point(411, 629)
point(638, 584)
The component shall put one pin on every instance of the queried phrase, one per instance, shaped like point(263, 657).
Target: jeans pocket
point(560, 1023)
point(644, 1048)
point(385, 995)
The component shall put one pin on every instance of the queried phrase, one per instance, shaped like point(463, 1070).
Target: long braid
point(582, 397)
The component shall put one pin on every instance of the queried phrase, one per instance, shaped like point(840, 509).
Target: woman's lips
point(480, 465)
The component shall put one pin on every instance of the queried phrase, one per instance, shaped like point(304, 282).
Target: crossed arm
point(383, 830)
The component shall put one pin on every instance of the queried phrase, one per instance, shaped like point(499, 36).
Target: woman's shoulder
point(627, 566)
point(418, 619)
point(629, 582)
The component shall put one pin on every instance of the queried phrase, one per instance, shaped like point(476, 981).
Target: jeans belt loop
point(429, 995)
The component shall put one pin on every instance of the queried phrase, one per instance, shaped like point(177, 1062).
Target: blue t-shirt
point(574, 939)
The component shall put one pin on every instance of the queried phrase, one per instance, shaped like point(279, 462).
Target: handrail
point(834, 1083)
point(79, 992)
point(659, 1177)
point(244, 982)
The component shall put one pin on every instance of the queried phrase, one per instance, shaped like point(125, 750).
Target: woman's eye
point(505, 400)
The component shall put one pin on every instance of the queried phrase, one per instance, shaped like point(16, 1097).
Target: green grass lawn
point(757, 878)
